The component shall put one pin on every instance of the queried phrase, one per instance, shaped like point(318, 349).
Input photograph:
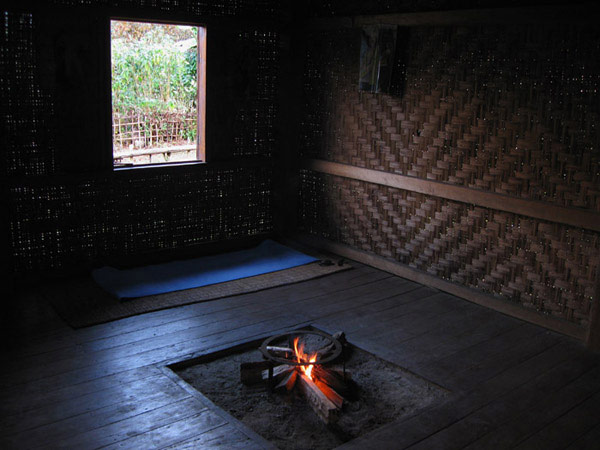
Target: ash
point(386, 393)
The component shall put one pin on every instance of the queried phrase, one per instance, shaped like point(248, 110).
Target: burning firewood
point(327, 411)
point(325, 389)
point(283, 351)
point(255, 372)
point(278, 372)
point(332, 395)
point(288, 382)
point(340, 383)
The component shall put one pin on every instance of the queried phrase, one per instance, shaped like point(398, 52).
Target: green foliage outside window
point(153, 68)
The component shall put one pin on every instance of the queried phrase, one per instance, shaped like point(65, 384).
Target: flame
point(303, 357)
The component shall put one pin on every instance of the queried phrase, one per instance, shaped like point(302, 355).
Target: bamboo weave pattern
point(511, 110)
point(542, 265)
point(506, 109)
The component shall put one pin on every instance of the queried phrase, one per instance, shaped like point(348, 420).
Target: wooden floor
point(513, 384)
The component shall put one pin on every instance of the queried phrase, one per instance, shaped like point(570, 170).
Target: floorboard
point(587, 441)
point(568, 428)
point(512, 384)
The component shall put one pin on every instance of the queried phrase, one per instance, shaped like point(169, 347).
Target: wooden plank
point(413, 322)
point(553, 402)
point(425, 424)
point(172, 433)
point(366, 316)
point(447, 335)
point(296, 292)
point(530, 208)
point(141, 327)
point(480, 298)
point(225, 436)
point(137, 425)
point(505, 375)
point(153, 350)
point(466, 369)
point(23, 405)
point(55, 363)
point(568, 428)
point(232, 422)
point(587, 441)
point(156, 151)
point(60, 422)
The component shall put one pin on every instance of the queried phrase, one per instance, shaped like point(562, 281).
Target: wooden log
point(335, 380)
point(327, 411)
point(288, 382)
point(278, 372)
point(284, 351)
point(331, 394)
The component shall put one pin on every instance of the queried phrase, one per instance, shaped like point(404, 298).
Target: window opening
point(158, 74)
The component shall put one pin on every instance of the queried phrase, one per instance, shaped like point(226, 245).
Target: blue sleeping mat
point(267, 257)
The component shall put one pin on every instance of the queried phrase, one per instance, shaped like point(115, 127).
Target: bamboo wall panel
point(58, 224)
point(539, 264)
point(506, 109)
point(63, 218)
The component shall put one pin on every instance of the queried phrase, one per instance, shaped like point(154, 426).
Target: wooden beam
point(466, 293)
point(530, 208)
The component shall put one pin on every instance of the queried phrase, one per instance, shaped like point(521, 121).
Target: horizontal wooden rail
point(466, 293)
point(155, 151)
point(589, 220)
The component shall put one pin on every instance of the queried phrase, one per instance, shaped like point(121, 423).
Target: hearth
point(372, 392)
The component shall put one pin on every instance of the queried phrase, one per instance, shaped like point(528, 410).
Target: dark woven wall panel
point(541, 265)
point(256, 118)
point(328, 8)
point(28, 148)
point(62, 218)
point(210, 8)
point(57, 225)
point(512, 110)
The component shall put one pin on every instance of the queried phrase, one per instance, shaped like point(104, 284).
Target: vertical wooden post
point(593, 335)
point(201, 93)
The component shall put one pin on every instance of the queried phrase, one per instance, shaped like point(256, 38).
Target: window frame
point(201, 71)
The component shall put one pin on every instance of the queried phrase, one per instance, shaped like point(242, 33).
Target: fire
point(302, 357)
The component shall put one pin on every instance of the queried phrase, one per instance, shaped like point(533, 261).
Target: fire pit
point(288, 364)
point(374, 392)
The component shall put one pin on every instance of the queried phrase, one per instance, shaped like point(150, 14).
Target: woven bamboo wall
point(62, 219)
point(511, 110)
